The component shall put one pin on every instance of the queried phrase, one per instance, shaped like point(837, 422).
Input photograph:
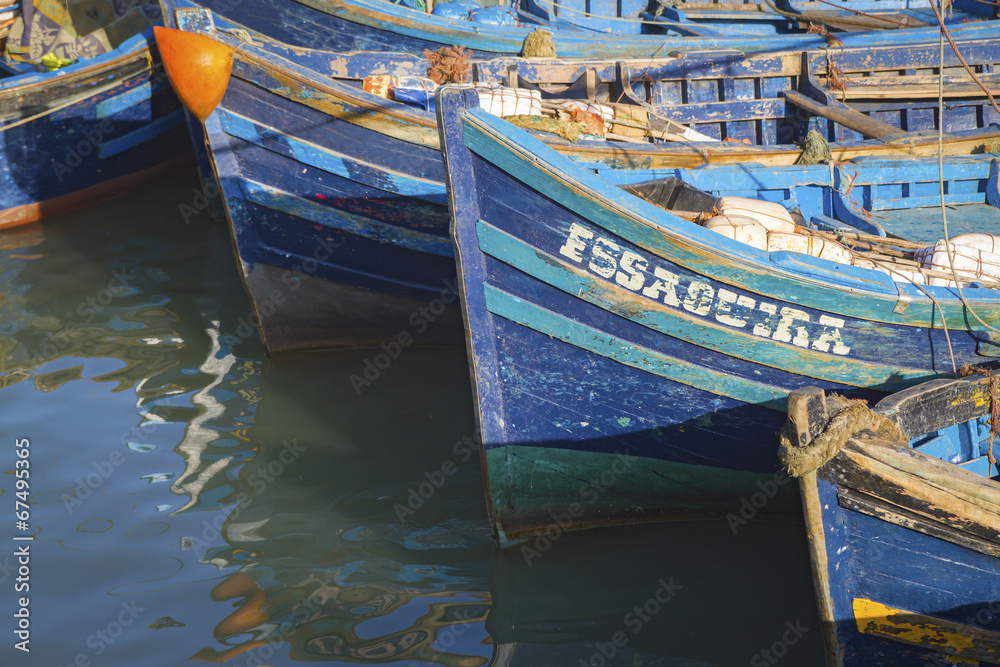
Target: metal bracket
point(903, 302)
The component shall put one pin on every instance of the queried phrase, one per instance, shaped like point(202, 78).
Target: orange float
point(198, 68)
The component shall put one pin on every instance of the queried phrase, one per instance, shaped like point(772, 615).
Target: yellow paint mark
point(874, 618)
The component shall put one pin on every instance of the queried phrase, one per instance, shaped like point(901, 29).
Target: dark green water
point(191, 500)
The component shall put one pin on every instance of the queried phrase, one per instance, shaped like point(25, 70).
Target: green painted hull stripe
point(584, 337)
point(552, 271)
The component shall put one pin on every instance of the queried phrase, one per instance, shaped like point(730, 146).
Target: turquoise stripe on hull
point(704, 252)
point(549, 323)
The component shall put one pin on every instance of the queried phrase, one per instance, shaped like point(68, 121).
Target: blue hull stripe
point(329, 161)
point(127, 100)
point(277, 200)
point(544, 321)
point(809, 363)
point(141, 135)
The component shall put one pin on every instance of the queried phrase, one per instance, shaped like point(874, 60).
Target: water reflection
point(326, 567)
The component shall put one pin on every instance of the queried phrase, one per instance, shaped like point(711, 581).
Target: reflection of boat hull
point(99, 128)
point(607, 333)
point(904, 525)
point(333, 565)
point(661, 591)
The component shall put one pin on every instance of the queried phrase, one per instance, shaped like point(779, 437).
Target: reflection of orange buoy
point(198, 68)
point(250, 613)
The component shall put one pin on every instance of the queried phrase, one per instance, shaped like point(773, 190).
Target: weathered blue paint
point(561, 241)
point(720, 320)
point(141, 135)
point(872, 194)
point(376, 25)
point(522, 312)
point(118, 129)
point(354, 224)
point(134, 96)
point(878, 540)
point(332, 162)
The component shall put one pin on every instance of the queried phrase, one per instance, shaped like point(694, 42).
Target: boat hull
point(317, 173)
point(594, 333)
point(333, 252)
point(103, 126)
point(902, 523)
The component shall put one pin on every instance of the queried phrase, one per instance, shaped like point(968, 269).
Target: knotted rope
point(853, 419)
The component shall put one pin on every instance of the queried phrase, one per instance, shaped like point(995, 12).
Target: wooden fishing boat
point(902, 506)
point(739, 19)
point(377, 25)
point(86, 132)
point(336, 197)
point(631, 365)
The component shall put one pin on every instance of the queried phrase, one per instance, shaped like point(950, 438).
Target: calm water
point(192, 500)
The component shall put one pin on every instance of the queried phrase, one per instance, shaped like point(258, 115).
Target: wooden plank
point(856, 470)
point(942, 476)
point(846, 117)
point(936, 405)
point(859, 501)
point(914, 92)
point(812, 509)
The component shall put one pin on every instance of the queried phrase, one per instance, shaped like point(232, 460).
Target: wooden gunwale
point(17, 102)
point(140, 54)
point(510, 40)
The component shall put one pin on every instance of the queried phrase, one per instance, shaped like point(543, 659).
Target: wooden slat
point(855, 120)
point(853, 468)
point(963, 484)
point(859, 501)
point(936, 405)
point(919, 91)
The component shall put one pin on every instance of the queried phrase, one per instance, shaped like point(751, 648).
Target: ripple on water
point(148, 529)
point(95, 526)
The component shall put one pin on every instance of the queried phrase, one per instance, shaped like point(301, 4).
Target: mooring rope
point(846, 424)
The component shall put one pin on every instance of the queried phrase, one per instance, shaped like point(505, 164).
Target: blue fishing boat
point(336, 196)
point(377, 25)
point(85, 132)
point(631, 365)
point(902, 507)
point(741, 18)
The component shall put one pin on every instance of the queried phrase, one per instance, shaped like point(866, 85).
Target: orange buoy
point(198, 68)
